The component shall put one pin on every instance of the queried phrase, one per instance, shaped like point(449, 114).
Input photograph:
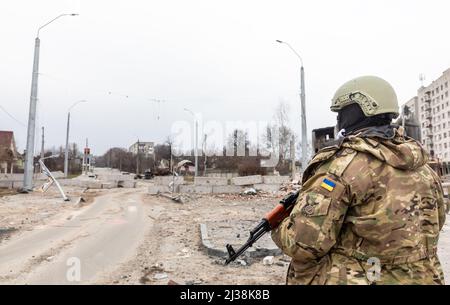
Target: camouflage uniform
point(380, 200)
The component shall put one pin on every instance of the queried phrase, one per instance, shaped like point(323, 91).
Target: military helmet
point(373, 94)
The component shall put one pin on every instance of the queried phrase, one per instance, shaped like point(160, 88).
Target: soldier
point(370, 209)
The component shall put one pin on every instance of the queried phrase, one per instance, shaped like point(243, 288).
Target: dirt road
point(91, 240)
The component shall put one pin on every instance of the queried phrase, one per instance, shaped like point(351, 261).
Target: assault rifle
point(270, 221)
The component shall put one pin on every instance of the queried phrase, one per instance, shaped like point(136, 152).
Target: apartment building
point(431, 108)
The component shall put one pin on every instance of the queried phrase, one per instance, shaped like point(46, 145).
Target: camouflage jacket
point(370, 212)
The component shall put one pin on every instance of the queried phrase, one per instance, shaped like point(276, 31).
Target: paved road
point(78, 248)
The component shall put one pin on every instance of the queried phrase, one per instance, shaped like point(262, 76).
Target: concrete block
point(208, 245)
point(198, 189)
point(108, 185)
point(247, 180)
point(6, 184)
point(227, 189)
point(210, 181)
point(126, 184)
point(276, 179)
point(17, 184)
point(156, 189)
point(93, 184)
point(165, 180)
point(115, 177)
point(270, 188)
point(74, 182)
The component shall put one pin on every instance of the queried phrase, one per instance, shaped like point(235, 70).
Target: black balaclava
point(352, 118)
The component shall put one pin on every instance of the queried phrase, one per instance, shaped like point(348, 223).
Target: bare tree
point(285, 133)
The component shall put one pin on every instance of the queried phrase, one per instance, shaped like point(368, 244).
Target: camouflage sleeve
point(442, 206)
point(315, 221)
point(442, 203)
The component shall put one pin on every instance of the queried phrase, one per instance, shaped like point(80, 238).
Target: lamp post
point(29, 166)
point(66, 152)
point(196, 140)
point(303, 107)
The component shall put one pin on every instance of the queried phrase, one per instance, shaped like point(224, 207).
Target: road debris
point(250, 191)
point(160, 276)
point(268, 261)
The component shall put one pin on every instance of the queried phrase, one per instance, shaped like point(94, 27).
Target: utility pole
point(303, 107)
point(42, 144)
point(293, 156)
point(196, 140)
point(303, 117)
point(66, 152)
point(204, 149)
point(29, 156)
point(137, 158)
point(196, 147)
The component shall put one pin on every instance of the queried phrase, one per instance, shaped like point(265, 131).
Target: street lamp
point(303, 108)
point(29, 166)
point(66, 153)
point(196, 140)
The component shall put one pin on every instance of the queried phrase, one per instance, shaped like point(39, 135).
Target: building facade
point(431, 108)
point(9, 156)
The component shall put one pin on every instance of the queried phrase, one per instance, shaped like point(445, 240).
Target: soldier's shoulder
point(342, 160)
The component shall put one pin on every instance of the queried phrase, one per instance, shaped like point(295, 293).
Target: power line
point(12, 117)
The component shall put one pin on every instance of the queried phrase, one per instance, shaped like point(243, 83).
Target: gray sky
point(218, 58)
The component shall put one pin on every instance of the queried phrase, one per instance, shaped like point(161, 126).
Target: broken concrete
point(198, 189)
point(226, 189)
point(11, 184)
point(157, 189)
point(276, 179)
point(115, 177)
point(247, 180)
point(214, 181)
point(215, 236)
point(165, 180)
point(270, 188)
point(126, 184)
point(108, 185)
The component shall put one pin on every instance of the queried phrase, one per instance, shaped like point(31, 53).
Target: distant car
point(148, 174)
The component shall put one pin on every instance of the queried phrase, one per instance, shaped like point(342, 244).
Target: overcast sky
point(217, 58)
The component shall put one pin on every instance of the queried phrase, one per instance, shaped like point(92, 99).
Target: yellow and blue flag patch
point(328, 184)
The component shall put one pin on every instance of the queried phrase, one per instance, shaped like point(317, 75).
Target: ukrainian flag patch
point(328, 185)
